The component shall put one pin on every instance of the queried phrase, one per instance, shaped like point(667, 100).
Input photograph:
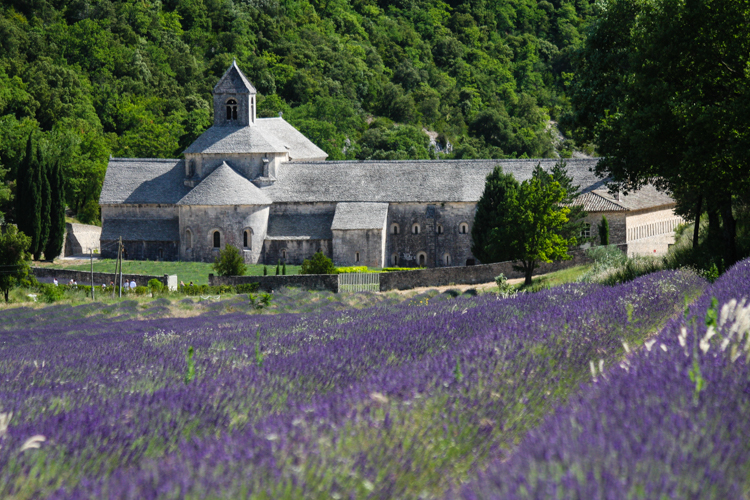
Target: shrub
point(155, 285)
point(229, 262)
point(318, 264)
point(394, 269)
point(505, 289)
point(141, 290)
point(352, 269)
point(247, 287)
point(51, 293)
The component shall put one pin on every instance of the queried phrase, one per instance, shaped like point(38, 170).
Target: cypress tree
point(278, 267)
point(604, 231)
point(41, 176)
point(283, 269)
point(57, 212)
point(491, 211)
point(28, 200)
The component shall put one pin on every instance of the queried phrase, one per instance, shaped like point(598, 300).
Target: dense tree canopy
point(663, 88)
point(134, 78)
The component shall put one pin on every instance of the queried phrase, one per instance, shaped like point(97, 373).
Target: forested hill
point(361, 78)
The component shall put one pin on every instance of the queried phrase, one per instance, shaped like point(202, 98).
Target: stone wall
point(294, 251)
point(230, 222)
point(406, 247)
point(269, 283)
point(367, 244)
point(45, 275)
point(467, 275)
point(81, 239)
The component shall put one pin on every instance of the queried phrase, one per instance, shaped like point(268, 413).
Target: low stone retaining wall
point(481, 273)
point(45, 275)
point(270, 283)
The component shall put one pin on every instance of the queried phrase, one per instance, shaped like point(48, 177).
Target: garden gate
point(359, 282)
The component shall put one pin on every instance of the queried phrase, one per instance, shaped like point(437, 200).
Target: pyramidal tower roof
point(234, 82)
point(224, 186)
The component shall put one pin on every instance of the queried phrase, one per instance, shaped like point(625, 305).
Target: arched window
point(439, 229)
point(394, 259)
point(231, 109)
point(422, 259)
point(217, 239)
point(188, 239)
point(447, 259)
point(415, 228)
point(283, 255)
point(463, 228)
point(356, 256)
point(247, 238)
point(394, 228)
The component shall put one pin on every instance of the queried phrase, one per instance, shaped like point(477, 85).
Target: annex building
point(262, 186)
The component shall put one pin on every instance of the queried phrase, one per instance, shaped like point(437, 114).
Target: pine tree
point(57, 212)
point(28, 200)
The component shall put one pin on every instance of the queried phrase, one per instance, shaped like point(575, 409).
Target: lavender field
point(580, 391)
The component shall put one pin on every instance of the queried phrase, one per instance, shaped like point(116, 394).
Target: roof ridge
point(138, 160)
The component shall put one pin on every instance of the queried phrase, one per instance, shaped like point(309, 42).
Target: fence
point(359, 282)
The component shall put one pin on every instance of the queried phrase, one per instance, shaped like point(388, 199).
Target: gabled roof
point(360, 216)
point(141, 229)
point(300, 227)
point(267, 135)
point(224, 186)
point(410, 181)
point(143, 181)
point(234, 82)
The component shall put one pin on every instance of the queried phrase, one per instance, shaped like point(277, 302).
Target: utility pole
point(117, 262)
point(91, 250)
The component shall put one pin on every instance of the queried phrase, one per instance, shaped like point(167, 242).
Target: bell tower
point(234, 99)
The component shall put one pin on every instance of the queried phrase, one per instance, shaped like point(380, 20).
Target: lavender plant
point(398, 400)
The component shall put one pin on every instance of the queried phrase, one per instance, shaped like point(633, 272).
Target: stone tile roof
point(234, 82)
point(284, 135)
point(593, 201)
point(360, 216)
point(418, 181)
point(141, 229)
point(143, 181)
point(224, 186)
point(225, 139)
point(268, 135)
point(300, 227)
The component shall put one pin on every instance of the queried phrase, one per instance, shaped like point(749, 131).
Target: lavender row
point(114, 399)
point(670, 422)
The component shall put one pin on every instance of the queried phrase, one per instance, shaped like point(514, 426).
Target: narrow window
point(447, 259)
point(394, 228)
point(356, 257)
point(189, 239)
point(231, 109)
point(217, 239)
point(394, 259)
point(439, 229)
point(422, 259)
point(415, 229)
point(283, 255)
point(161, 253)
point(586, 231)
point(246, 238)
point(463, 228)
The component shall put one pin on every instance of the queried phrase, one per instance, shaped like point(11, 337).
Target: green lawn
point(197, 272)
point(555, 278)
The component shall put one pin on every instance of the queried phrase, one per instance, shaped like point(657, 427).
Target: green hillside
point(361, 79)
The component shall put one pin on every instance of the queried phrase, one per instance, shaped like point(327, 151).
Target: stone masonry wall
point(407, 246)
point(45, 275)
point(269, 283)
point(294, 251)
point(466, 275)
point(368, 243)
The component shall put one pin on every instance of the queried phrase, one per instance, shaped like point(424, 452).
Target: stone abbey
point(260, 185)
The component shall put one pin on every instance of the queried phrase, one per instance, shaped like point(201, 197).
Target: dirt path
point(477, 286)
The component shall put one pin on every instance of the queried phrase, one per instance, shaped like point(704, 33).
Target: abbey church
point(262, 186)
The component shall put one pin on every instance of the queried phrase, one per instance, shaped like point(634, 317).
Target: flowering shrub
point(391, 401)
